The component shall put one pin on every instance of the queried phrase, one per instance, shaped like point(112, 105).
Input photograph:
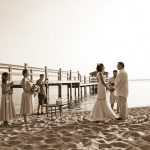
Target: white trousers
point(122, 103)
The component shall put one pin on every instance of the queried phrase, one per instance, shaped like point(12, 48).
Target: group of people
point(7, 111)
point(118, 86)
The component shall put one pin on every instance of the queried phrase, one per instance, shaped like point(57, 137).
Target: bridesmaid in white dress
point(7, 111)
point(101, 110)
point(27, 102)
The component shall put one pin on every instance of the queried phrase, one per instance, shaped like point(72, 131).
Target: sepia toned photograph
point(74, 75)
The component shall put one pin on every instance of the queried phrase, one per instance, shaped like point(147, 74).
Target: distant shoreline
point(138, 79)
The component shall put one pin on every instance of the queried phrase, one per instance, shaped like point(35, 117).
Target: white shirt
point(111, 80)
point(121, 84)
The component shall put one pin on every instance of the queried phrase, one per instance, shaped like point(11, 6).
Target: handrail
point(11, 65)
point(48, 72)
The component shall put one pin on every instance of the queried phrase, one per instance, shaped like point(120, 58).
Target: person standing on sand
point(121, 91)
point(7, 111)
point(27, 101)
point(42, 94)
point(101, 110)
point(111, 84)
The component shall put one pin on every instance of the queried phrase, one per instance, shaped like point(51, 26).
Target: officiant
point(111, 84)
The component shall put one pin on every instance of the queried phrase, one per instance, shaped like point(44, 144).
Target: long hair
point(99, 67)
point(4, 75)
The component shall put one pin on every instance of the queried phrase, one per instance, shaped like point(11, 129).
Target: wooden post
point(78, 76)
point(70, 91)
point(26, 66)
point(90, 89)
point(70, 86)
point(60, 85)
point(47, 86)
point(31, 76)
point(60, 90)
point(84, 79)
point(78, 84)
point(67, 76)
point(70, 75)
point(60, 74)
point(10, 70)
point(89, 79)
point(85, 90)
point(93, 89)
point(75, 87)
point(78, 90)
point(81, 91)
point(67, 92)
point(58, 80)
point(67, 86)
point(46, 72)
point(96, 88)
point(75, 92)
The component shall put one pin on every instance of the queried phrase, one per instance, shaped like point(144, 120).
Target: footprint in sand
point(146, 138)
point(52, 140)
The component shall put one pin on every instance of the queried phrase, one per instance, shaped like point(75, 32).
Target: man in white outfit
point(121, 90)
point(111, 84)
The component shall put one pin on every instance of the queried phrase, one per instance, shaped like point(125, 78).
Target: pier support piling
point(60, 91)
point(78, 90)
point(47, 86)
point(75, 92)
point(89, 89)
point(70, 92)
point(10, 70)
point(67, 92)
point(85, 92)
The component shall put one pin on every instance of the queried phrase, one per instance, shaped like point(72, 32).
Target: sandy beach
point(74, 131)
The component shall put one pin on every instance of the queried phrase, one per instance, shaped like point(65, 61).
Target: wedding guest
point(111, 84)
point(27, 102)
point(7, 111)
point(42, 94)
point(121, 91)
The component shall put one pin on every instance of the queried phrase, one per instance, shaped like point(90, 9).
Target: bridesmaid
point(27, 102)
point(7, 111)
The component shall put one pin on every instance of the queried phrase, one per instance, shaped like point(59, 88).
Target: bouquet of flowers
point(35, 89)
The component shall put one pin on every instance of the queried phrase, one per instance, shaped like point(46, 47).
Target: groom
point(121, 91)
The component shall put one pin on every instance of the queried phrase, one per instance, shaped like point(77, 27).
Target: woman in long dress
point(27, 102)
point(101, 110)
point(7, 111)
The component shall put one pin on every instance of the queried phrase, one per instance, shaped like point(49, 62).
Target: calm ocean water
point(139, 95)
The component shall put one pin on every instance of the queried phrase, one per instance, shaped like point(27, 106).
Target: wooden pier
point(72, 79)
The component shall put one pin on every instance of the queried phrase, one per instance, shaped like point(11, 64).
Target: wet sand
point(74, 131)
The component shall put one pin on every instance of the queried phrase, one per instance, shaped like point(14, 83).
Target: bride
point(101, 110)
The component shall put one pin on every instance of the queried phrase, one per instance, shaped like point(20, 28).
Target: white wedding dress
point(101, 110)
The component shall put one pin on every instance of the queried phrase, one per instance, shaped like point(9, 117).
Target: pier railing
point(59, 74)
point(72, 79)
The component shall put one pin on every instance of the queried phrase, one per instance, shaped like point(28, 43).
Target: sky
point(77, 34)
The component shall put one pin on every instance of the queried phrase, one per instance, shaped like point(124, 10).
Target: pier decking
point(77, 81)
